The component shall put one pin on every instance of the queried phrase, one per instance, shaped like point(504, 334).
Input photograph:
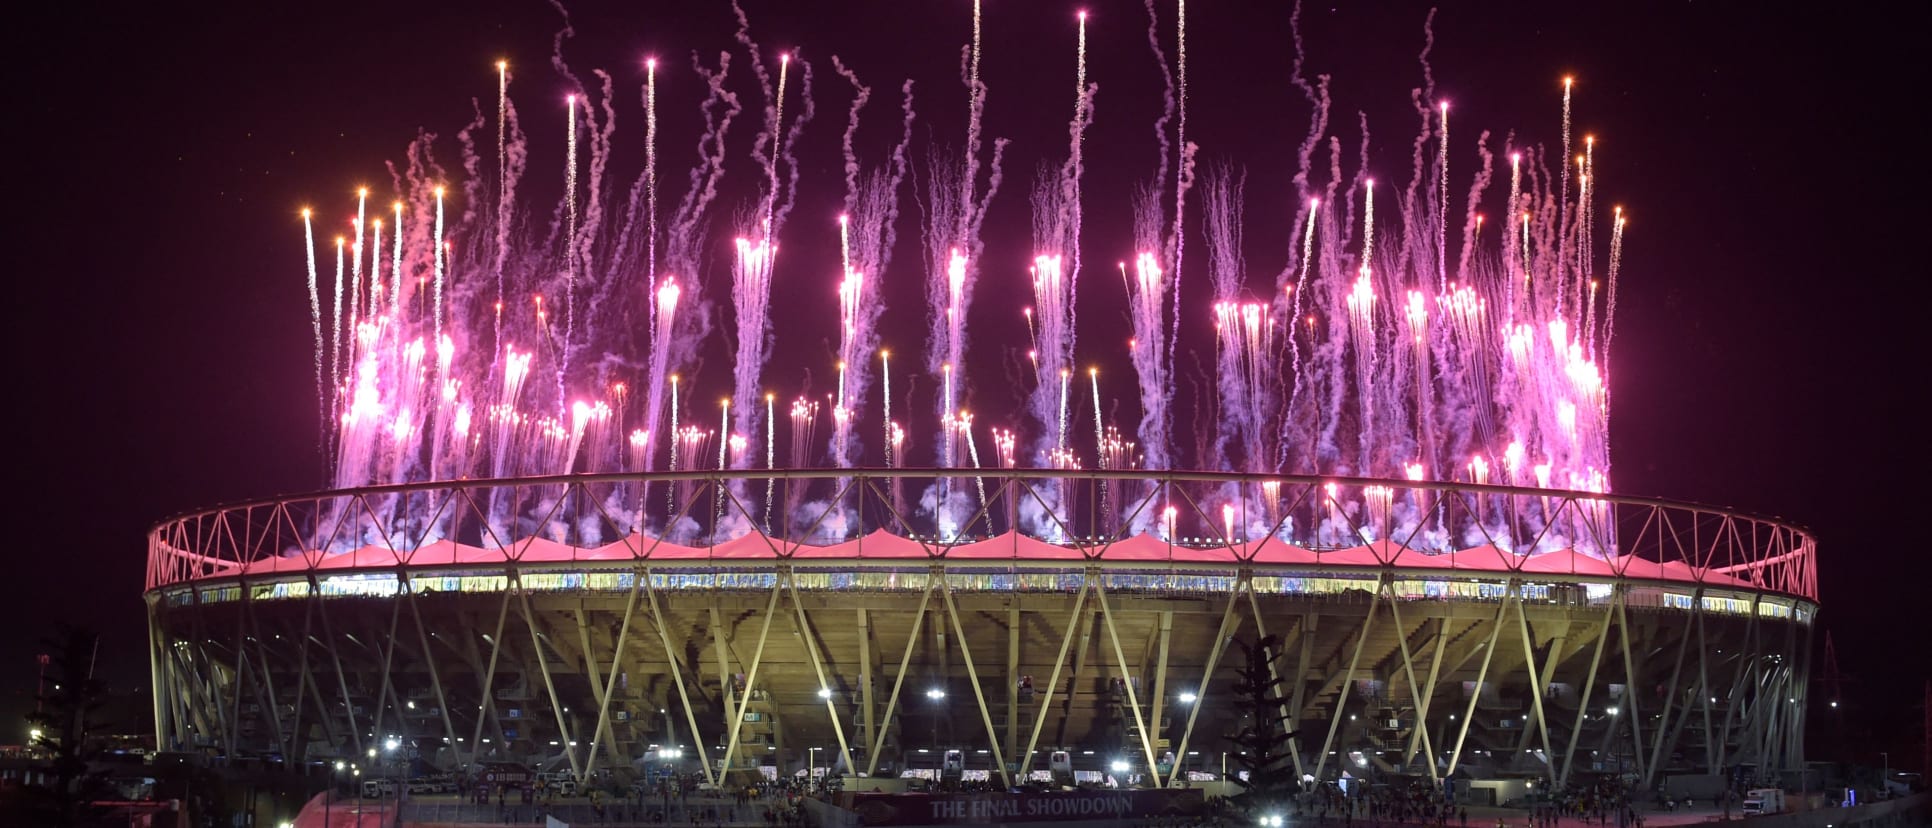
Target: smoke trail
point(1075, 167)
point(751, 296)
point(860, 95)
point(590, 232)
point(1610, 295)
point(503, 197)
point(1057, 212)
point(975, 110)
point(436, 298)
point(757, 246)
point(955, 211)
point(1586, 286)
point(1147, 296)
point(852, 299)
point(650, 169)
point(954, 214)
point(355, 258)
point(871, 210)
point(1221, 214)
point(1167, 98)
point(570, 248)
point(1168, 244)
point(773, 143)
point(1183, 175)
point(769, 136)
point(1401, 390)
point(315, 321)
point(335, 331)
point(675, 336)
point(807, 109)
point(374, 307)
point(1442, 202)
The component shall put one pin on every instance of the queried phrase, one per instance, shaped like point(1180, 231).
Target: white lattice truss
point(541, 620)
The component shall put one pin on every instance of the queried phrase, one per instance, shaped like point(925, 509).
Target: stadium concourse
point(814, 620)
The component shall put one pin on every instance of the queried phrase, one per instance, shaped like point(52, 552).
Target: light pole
point(1885, 776)
point(1616, 741)
point(328, 798)
point(1186, 698)
point(389, 747)
point(936, 695)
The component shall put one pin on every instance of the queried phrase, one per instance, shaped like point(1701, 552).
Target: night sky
point(1769, 354)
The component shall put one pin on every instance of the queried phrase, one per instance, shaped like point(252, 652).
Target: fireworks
point(1395, 354)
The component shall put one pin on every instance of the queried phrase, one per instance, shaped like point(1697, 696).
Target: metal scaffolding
point(1565, 634)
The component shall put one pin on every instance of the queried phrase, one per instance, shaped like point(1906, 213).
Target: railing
point(1019, 517)
point(613, 810)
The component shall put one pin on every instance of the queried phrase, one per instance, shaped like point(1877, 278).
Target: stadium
point(573, 641)
point(1402, 430)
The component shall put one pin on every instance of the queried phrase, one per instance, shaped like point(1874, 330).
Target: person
point(1465, 816)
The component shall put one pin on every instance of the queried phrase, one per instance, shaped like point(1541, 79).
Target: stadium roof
point(881, 544)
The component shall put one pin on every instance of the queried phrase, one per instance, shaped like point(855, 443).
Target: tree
point(1264, 738)
point(69, 715)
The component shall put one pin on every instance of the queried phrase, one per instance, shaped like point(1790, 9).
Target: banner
point(994, 808)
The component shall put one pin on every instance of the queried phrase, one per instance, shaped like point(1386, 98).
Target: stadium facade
point(799, 619)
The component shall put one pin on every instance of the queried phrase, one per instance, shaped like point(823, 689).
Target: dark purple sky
point(1767, 356)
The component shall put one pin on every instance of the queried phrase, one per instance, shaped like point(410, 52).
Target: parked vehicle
point(1060, 766)
point(1760, 801)
point(378, 788)
point(561, 781)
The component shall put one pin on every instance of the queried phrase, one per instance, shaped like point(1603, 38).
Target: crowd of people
point(1417, 803)
point(686, 801)
point(676, 800)
point(1603, 802)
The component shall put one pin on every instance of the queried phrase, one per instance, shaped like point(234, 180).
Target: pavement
point(1486, 817)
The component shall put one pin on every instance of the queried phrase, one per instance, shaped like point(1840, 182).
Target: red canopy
point(368, 557)
point(1273, 550)
point(1399, 555)
point(753, 545)
point(440, 553)
point(879, 544)
point(1486, 557)
point(1138, 548)
point(623, 549)
point(1569, 562)
point(882, 544)
point(1352, 556)
point(1013, 546)
point(269, 566)
point(543, 549)
point(1210, 554)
